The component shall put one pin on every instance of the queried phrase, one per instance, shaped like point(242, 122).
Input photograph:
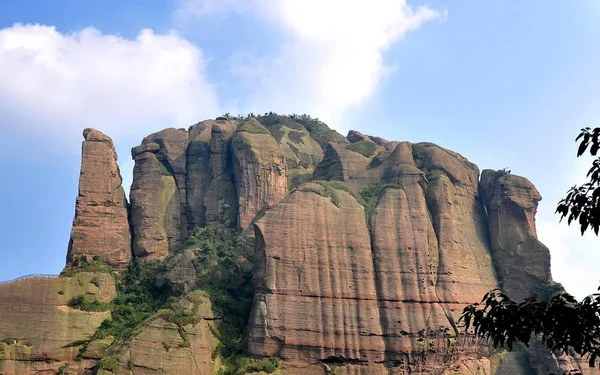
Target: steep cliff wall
point(366, 252)
point(101, 225)
point(39, 331)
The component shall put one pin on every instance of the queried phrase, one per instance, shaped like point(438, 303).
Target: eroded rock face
point(522, 260)
point(37, 327)
point(100, 227)
point(335, 294)
point(158, 194)
point(163, 347)
point(209, 179)
point(345, 284)
point(316, 295)
point(260, 171)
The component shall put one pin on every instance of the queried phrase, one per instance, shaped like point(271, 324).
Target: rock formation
point(101, 226)
point(366, 251)
point(38, 328)
point(158, 193)
point(260, 171)
point(523, 262)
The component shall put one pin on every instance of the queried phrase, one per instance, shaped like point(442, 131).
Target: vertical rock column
point(522, 261)
point(260, 171)
point(209, 179)
point(158, 194)
point(100, 227)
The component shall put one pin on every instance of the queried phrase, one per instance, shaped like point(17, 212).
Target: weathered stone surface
point(302, 153)
point(523, 262)
point(209, 180)
point(260, 171)
point(161, 347)
point(158, 194)
point(355, 136)
point(100, 227)
point(370, 285)
point(37, 326)
point(172, 154)
point(315, 293)
point(341, 164)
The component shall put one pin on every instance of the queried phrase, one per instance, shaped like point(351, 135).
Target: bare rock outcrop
point(316, 294)
point(39, 332)
point(101, 225)
point(260, 171)
point(158, 193)
point(209, 179)
point(523, 262)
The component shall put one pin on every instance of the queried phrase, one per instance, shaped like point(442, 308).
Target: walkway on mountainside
point(42, 275)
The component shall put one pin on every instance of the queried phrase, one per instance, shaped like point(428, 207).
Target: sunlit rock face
point(366, 253)
point(101, 224)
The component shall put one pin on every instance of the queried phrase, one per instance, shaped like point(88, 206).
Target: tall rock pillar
point(100, 227)
point(522, 261)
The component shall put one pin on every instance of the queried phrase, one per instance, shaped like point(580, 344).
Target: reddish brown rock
point(523, 262)
point(342, 164)
point(100, 227)
point(260, 171)
point(39, 332)
point(316, 294)
point(302, 153)
point(431, 259)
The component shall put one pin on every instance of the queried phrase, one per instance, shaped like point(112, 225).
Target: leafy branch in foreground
point(582, 203)
point(562, 323)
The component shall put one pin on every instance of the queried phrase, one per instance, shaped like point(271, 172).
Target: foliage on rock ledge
point(222, 266)
point(83, 264)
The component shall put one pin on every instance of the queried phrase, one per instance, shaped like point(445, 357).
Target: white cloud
point(331, 55)
point(54, 84)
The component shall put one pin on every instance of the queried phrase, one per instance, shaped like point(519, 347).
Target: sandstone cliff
point(101, 225)
point(365, 253)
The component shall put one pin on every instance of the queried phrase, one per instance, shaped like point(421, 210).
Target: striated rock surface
point(209, 180)
point(100, 227)
point(158, 194)
point(523, 262)
point(315, 291)
point(260, 171)
point(366, 253)
point(39, 332)
point(302, 153)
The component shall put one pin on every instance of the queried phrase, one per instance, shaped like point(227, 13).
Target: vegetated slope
point(273, 243)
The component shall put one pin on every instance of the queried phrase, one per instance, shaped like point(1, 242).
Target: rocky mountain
point(273, 244)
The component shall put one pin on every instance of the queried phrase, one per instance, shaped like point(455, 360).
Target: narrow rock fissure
point(378, 286)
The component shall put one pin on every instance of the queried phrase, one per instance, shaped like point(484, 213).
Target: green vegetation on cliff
point(224, 271)
point(370, 195)
point(86, 265)
point(363, 147)
point(221, 262)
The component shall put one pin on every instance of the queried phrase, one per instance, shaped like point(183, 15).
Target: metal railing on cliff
point(42, 275)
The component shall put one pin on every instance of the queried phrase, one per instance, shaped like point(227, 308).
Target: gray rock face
point(210, 191)
point(155, 202)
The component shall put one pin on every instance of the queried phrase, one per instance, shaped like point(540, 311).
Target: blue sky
point(506, 84)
